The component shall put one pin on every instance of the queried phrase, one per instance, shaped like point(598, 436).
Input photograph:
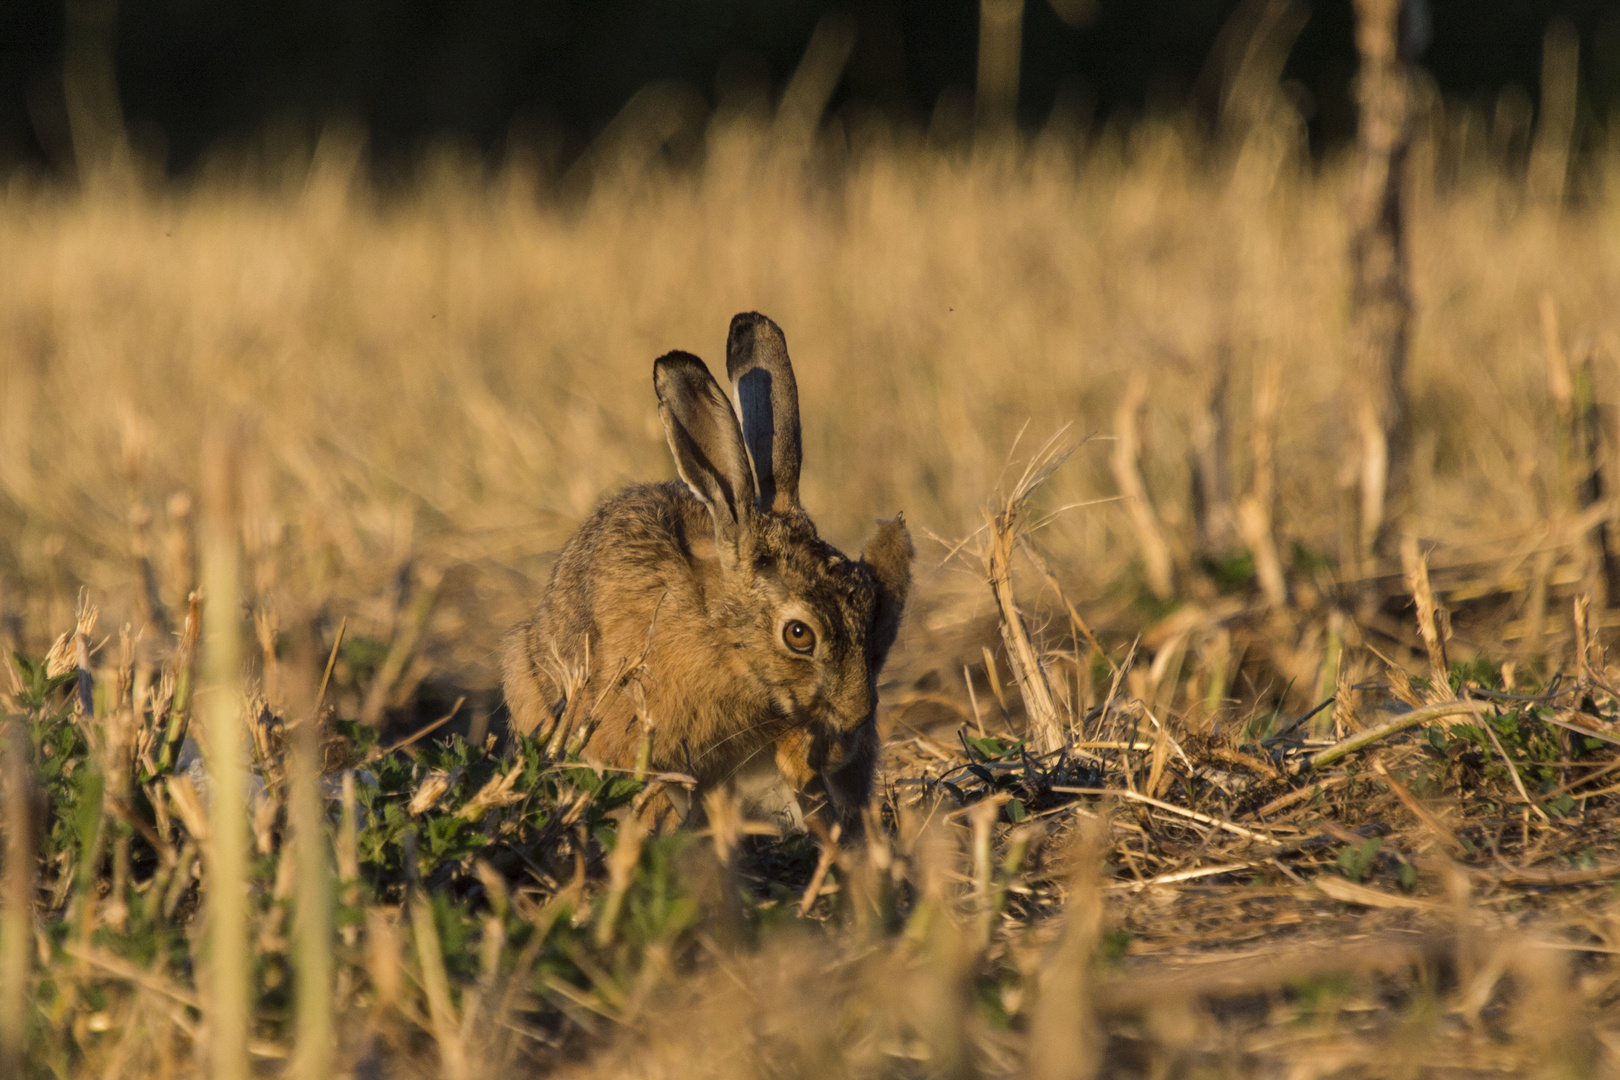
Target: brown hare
point(707, 615)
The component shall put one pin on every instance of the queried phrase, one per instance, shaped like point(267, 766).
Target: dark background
point(193, 75)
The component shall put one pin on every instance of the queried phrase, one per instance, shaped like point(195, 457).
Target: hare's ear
point(706, 442)
point(768, 402)
point(888, 554)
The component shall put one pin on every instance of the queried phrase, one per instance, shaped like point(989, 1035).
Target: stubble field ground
point(421, 394)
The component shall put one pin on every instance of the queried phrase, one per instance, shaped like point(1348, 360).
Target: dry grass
point(427, 392)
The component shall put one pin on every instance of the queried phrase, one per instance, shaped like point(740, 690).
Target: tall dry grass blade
point(331, 664)
point(1346, 698)
point(1127, 467)
point(814, 80)
point(119, 735)
point(1555, 128)
point(1045, 725)
point(1584, 643)
point(95, 115)
point(1431, 620)
point(1065, 1042)
point(435, 979)
point(993, 677)
point(621, 864)
point(1079, 624)
point(982, 816)
point(1001, 37)
point(1380, 297)
point(402, 649)
point(1550, 1014)
point(1006, 526)
point(1256, 511)
point(181, 704)
point(383, 961)
point(17, 903)
point(312, 928)
point(230, 964)
point(1207, 462)
point(973, 700)
point(1581, 443)
point(938, 996)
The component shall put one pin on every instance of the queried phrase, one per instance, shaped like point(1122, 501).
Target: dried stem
point(1425, 715)
point(1255, 512)
point(1380, 301)
point(230, 962)
point(1127, 467)
point(1432, 621)
point(17, 903)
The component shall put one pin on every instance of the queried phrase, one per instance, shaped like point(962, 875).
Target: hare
point(706, 616)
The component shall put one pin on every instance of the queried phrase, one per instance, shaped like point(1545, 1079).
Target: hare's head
point(812, 626)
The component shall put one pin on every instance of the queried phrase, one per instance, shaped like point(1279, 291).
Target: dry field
point(415, 397)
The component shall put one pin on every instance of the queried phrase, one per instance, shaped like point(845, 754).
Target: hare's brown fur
point(671, 612)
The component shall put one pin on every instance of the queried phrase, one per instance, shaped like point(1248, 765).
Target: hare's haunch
point(706, 616)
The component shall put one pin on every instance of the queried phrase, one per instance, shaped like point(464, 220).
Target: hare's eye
point(798, 636)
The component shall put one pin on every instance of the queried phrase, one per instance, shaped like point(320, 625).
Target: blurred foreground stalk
point(229, 964)
point(16, 907)
point(313, 925)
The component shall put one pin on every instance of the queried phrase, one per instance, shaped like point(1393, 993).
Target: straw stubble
point(229, 962)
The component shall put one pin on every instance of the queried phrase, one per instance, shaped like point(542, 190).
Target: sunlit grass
point(427, 391)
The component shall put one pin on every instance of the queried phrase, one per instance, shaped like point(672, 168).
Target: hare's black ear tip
point(679, 367)
point(747, 320)
point(677, 361)
point(746, 325)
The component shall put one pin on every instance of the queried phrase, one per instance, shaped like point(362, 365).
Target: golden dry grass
point(434, 388)
point(455, 376)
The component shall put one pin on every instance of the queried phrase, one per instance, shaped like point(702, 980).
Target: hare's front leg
point(847, 776)
point(832, 776)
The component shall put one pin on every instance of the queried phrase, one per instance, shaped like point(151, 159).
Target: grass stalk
point(435, 980)
point(313, 926)
point(1127, 467)
point(17, 905)
point(230, 964)
point(1428, 714)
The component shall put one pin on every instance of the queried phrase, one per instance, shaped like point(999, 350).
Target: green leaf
point(1357, 861)
point(987, 747)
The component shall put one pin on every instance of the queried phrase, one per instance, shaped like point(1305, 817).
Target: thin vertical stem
point(1555, 130)
point(1127, 467)
point(435, 979)
point(16, 916)
point(1380, 299)
point(230, 967)
point(313, 928)
point(1001, 39)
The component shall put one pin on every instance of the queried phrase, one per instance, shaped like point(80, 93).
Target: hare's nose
point(858, 707)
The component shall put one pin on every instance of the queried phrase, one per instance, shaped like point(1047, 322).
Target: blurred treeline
point(184, 77)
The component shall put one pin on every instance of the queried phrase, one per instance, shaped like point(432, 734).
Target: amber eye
point(798, 636)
